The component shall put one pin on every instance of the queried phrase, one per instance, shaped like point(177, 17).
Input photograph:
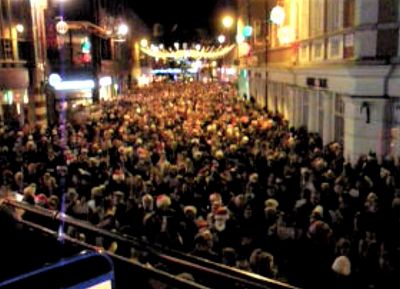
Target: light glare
point(144, 42)
point(227, 21)
point(221, 39)
point(20, 28)
point(278, 15)
point(123, 29)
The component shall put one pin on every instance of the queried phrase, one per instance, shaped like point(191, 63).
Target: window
point(282, 96)
point(317, 19)
point(305, 107)
point(334, 15)
point(335, 43)
point(339, 118)
point(304, 53)
point(259, 32)
point(320, 113)
point(304, 19)
point(6, 52)
point(318, 49)
point(349, 13)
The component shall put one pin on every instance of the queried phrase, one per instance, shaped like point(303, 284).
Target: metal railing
point(208, 273)
point(130, 266)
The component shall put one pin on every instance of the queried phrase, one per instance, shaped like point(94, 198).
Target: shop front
point(14, 95)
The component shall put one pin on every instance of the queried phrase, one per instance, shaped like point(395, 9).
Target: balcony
point(10, 63)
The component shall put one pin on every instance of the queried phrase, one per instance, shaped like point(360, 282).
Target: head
point(203, 242)
point(148, 202)
point(190, 212)
point(229, 256)
point(163, 202)
point(248, 212)
point(262, 263)
point(220, 218)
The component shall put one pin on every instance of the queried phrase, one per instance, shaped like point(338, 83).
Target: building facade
point(331, 65)
point(22, 61)
point(45, 67)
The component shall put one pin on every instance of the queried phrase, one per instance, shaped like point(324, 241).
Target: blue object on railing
point(86, 270)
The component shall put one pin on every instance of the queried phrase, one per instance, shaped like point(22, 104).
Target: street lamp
point(62, 27)
point(278, 15)
point(144, 42)
point(39, 50)
point(227, 21)
point(20, 28)
point(122, 30)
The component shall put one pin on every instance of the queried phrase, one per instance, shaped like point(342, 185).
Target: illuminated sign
point(57, 83)
point(86, 45)
point(105, 81)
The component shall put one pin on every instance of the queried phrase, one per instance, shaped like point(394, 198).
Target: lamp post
point(39, 51)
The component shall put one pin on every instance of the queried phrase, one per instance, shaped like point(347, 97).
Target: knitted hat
point(201, 224)
point(41, 200)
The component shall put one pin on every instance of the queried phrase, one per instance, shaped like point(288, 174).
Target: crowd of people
point(193, 167)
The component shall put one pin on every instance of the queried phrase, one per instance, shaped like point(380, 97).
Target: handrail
point(163, 276)
point(180, 258)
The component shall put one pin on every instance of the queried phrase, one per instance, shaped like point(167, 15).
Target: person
point(262, 263)
point(162, 225)
point(203, 247)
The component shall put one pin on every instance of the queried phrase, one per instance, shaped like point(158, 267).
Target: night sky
point(181, 19)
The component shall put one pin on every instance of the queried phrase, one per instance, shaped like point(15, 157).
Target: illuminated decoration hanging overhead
point(86, 47)
point(203, 53)
point(278, 15)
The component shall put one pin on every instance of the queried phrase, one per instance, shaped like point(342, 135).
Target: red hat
point(163, 201)
point(222, 211)
point(201, 224)
point(41, 200)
